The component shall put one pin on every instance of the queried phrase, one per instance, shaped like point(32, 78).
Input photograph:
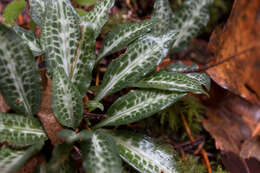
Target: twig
point(216, 64)
point(183, 155)
point(97, 77)
point(190, 145)
point(90, 115)
point(202, 151)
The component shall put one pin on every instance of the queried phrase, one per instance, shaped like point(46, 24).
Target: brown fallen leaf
point(46, 116)
point(236, 164)
point(3, 106)
point(251, 148)
point(240, 75)
point(231, 122)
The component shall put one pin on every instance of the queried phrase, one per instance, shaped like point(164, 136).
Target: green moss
point(191, 165)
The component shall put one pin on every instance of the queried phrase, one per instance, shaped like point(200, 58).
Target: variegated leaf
point(163, 13)
point(137, 105)
point(99, 15)
point(70, 136)
point(60, 35)
point(18, 130)
point(66, 101)
point(12, 160)
point(123, 36)
point(38, 8)
point(202, 78)
point(171, 82)
point(84, 60)
point(140, 59)
point(60, 161)
point(143, 154)
point(20, 81)
point(101, 155)
point(30, 39)
point(189, 20)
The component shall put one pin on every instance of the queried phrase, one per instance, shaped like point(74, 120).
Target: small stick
point(216, 64)
point(202, 151)
point(97, 77)
point(20, 19)
point(183, 155)
point(95, 116)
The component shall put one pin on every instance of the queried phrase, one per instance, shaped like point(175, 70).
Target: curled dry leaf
point(240, 74)
point(46, 116)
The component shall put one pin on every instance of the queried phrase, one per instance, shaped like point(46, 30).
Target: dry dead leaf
point(232, 122)
point(240, 75)
point(46, 116)
point(251, 148)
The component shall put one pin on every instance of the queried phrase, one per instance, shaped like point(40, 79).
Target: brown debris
point(30, 166)
point(240, 75)
point(46, 116)
point(231, 122)
point(251, 148)
point(3, 106)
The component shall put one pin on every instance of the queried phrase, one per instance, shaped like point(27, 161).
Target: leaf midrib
point(120, 75)
point(117, 41)
point(136, 150)
point(17, 81)
point(19, 129)
point(129, 111)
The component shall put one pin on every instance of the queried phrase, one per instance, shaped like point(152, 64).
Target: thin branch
point(216, 64)
point(202, 151)
point(94, 116)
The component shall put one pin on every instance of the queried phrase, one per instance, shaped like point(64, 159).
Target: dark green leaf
point(172, 82)
point(143, 154)
point(83, 63)
point(20, 81)
point(66, 101)
point(99, 15)
point(12, 160)
point(137, 105)
point(100, 155)
point(163, 13)
point(140, 59)
point(122, 36)
point(30, 39)
point(60, 161)
point(202, 78)
point(18, 130)
point(60, 35)
point(38, 9)
point(189, 20)
point(71, 137)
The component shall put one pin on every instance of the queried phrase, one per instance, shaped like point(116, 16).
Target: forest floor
point(217, 133)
